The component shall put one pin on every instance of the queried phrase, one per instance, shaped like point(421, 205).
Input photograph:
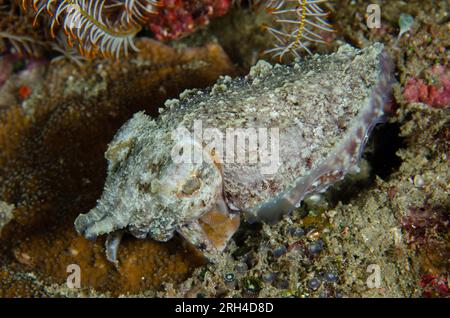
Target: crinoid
point(21, 43)
point(108, 27)
point(15, 32)
point(296, 25)
point(94, 27)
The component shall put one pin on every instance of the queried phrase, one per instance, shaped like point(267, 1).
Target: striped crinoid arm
point(92, 31)
point(21, 44)
point(96, 27)
point(138, 11)
point(296, 25)
point(17, 36)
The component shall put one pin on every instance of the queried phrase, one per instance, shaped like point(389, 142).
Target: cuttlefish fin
point(211, 233)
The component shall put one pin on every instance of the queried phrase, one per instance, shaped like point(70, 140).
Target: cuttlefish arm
point(112, 246)
point(209, 234)
point(212, 231)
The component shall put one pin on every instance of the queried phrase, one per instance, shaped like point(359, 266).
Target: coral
point(435, 285)
point(21, 77)
point(52, 166)
point(178, 18)
point(94, 27)
point(423, 195)
point(19, 284)
point(434, 95)
point(108, 28)
point(427, 234)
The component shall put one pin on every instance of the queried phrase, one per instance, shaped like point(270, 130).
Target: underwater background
point(61, 106)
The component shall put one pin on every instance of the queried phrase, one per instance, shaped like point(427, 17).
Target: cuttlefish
point(249, 147)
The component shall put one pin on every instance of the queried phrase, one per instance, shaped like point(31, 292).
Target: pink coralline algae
point(434, 285)
point(426, 232)
point(435, 95)
point(177, 18)
point(426, 225)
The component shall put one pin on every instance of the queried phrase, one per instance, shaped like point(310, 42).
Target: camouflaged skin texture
point(323, 109)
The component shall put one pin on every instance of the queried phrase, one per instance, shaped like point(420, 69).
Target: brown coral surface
point(53, 167)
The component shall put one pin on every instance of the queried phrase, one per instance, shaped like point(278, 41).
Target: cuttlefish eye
point(191, 185)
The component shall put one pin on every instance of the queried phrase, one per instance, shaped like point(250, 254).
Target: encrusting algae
point(52, 165)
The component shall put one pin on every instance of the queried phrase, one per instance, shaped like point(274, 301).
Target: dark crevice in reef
point(248, 235)
point(348, 189)
point(382, 155)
